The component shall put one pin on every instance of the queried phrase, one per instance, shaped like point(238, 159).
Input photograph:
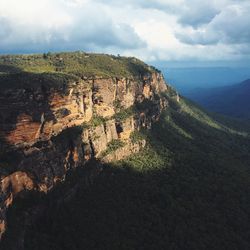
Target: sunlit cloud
point(152, 30)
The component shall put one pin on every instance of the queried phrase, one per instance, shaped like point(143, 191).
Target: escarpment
point(50, 123)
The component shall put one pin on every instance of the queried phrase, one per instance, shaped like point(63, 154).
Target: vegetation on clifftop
point(29, 80)
point(75, 63)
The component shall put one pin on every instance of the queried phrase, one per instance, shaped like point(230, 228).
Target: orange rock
point(2, 228)
point(75, 155)
point(16, 183)
point(25, 131)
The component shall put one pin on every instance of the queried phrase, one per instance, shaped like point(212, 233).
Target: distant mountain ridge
point(233, 100)
point(185, 80)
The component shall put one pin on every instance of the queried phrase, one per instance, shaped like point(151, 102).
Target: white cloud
point(230, 26)
point(151, 30)
point(61, 25)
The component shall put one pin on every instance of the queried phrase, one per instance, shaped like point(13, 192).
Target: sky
point(153, 30)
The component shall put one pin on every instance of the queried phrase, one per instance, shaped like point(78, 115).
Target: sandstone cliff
point(49, 125)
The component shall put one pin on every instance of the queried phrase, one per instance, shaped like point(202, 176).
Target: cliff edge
point(58, 111)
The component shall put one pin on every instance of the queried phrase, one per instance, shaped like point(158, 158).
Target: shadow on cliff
point(9, 157)
point(9, 69)
point(5, 146)
point(28, 93)
point(199, 202)
point(24, 94)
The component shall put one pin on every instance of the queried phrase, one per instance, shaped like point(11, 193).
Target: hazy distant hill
point(185, 79)
point(231, 100)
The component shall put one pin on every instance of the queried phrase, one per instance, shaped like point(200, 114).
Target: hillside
point(118, 163)
point(233, 100)
point(54, 121)
point(188, 189)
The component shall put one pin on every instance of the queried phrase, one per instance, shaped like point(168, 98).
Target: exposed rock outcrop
point(53, 128)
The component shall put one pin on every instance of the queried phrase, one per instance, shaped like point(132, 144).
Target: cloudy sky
point(153, 30)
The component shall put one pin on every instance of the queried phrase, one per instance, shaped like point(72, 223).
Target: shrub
point(97, 120)
point(136, 136)
point(113, 146)
point(124, 114)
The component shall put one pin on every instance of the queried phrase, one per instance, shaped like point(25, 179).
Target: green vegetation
point(113, 146)
point(123, 114)
point(96, 121)
point(75, 63)
point(136, 136)
point(144, 105)
point(117, 104)
point(58, 69)
point(29, 80)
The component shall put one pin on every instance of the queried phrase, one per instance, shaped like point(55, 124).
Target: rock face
point(47, 129)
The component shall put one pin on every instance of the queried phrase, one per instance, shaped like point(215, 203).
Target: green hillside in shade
point(187, 190)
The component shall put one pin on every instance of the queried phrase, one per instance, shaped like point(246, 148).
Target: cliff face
point(47, 129)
